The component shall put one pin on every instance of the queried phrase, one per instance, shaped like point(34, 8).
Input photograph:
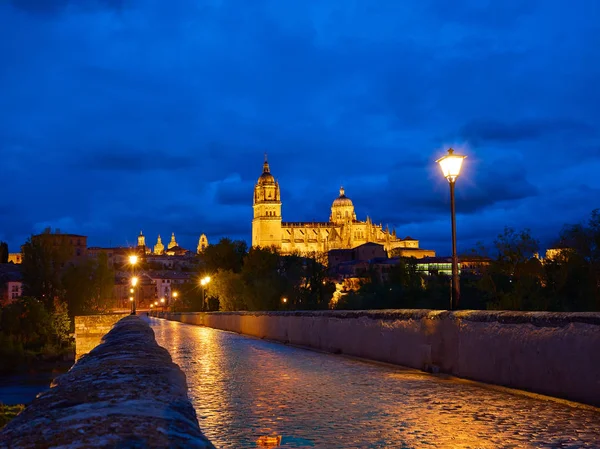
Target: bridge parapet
point(550, 353)
point(126, 392)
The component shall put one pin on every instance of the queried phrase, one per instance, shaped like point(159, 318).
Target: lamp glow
point(175, 294)
point(162, 300)
point(134, 281)
point(451, 165)
point(133, 259)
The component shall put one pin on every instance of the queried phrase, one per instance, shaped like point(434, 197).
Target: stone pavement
point(243, 388)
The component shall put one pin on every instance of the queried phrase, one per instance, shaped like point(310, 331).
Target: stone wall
point(90, 329)
point(126, 392)
point(556, 354)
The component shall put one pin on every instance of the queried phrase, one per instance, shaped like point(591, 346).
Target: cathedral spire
point(342, 191)
point(266, 168)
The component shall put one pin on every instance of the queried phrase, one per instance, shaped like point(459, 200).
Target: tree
point(225, 255)
point(89, 286)
point(228, 287)
point(263, 283)
point(42, 265)
point(3, 252)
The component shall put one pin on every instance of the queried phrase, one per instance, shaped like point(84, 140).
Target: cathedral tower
point(266, 224)
point(173, 242)
point(141, 239)
point(202, 244)
point(159, 248)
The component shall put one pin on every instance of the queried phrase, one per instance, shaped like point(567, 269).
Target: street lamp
point(162, 302)
point(203, 282)
point(134, 282)
point(133, 260)
point(450, 165)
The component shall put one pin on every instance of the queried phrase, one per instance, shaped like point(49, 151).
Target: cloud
point(484, 132)
point(121, 115)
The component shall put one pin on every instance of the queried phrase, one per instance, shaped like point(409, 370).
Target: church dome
point(342, 200)
point(266, 177)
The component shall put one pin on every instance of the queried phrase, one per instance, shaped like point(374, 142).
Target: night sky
point(124, 115)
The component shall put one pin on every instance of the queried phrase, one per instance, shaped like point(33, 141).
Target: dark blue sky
point(121, 115)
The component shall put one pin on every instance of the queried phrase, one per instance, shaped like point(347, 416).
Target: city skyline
point(120, 116)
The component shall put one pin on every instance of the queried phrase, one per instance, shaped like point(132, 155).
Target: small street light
point(162, 302)
point(133, 260)
point(284, 300)
point(203, 282)
point(450, 165)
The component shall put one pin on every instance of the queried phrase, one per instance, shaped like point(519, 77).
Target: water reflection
point(244, 388)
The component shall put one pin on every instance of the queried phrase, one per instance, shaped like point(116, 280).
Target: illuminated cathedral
point(342, 231)
point(173, 249)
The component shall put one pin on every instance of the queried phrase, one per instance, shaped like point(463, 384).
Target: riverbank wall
point(126, 392)
point(555, 354)
point(89, 330)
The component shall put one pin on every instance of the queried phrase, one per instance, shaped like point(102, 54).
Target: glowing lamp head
point(205, 280)
point(450, 165)
point(162, 300)
point(134, 281)
point(151, 305)
point(133, 259)
point(131, 298)
point(155, 303)
point(284, 300)
point(175, 294)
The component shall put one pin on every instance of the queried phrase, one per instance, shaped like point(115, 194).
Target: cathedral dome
point(266, 177)
point(342, 200)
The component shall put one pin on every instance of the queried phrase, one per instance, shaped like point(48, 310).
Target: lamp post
point(133, 260)
point(162, 302)
point(450, 165)
point(203, 282)
point(134, 282)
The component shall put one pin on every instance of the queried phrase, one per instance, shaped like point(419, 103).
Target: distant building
point(11, 285)
point(443, 265)
point(72, 248)
point(167, 283)
point(15, 258)
point(342, 231)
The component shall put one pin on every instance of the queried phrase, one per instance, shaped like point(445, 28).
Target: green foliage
point(28, 330)
point(88, 286)
point(228, 287)
point(42, 265)
point(8, 412)
point(225, 255)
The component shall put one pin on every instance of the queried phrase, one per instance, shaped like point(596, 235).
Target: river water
point(23, 388)
point(244, 388)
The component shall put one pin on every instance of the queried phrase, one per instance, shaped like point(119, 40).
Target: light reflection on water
point(243, 388)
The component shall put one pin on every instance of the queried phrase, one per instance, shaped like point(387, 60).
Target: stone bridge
point(251, 391)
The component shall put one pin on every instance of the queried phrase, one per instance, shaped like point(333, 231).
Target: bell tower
point(266, 224)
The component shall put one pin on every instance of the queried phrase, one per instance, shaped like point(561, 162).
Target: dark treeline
point(259, 279)
point(514, 279)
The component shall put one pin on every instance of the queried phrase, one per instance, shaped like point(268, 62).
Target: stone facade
point(342, 231)
point(90, 329)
